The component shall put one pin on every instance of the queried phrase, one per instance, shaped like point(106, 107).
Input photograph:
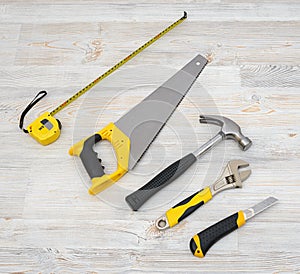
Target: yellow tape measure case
point(45, 129)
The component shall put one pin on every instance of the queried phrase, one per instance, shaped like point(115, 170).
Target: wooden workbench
point(48, 221)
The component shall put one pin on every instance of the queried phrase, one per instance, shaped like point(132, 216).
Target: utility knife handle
point(205, 239)
point(93, 166)
point(187, 206)
point(136, 199)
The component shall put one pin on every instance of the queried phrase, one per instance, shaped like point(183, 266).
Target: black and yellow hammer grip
point(202, 241)
point(186, 207)
point(93, 166)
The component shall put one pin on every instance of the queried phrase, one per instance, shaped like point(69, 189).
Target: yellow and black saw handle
point(202, 241)
point(186, 207)
point(84, 149)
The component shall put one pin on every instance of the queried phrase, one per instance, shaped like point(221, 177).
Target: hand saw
point(133, 133)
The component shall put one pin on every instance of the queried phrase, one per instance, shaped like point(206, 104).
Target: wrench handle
point(136, 199)
point(187, 206)
point(205, 239)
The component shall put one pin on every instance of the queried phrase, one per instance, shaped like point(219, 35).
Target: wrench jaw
point(245, 174)
point(231, 177)
point(234, 167)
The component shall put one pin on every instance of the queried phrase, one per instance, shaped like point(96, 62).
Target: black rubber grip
point(214, 233)
point(136, 199)
point(89, 157)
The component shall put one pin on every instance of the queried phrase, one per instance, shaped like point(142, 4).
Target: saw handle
point(187, 206)
point(89, 157)
point(84, 149)
point(205, 239)
point(136, 199)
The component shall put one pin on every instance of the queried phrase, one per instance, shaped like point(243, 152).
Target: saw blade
point(144, 121)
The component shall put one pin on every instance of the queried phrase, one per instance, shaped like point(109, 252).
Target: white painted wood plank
point(9, 37)
point(84, 44)
point(22, 13)
point(81, 260)
point(48, 221)
point(270, 76)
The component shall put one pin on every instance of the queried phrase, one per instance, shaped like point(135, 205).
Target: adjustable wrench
point(230, 178)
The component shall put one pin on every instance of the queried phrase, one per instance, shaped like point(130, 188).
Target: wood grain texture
point(270, 76)
point(48, 221)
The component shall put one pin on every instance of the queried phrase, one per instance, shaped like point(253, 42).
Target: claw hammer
point(229, 130)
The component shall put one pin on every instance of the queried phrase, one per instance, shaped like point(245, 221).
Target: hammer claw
point(210, 119)
point(229, 130)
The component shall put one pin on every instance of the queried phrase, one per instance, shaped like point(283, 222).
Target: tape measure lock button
point(45, 129)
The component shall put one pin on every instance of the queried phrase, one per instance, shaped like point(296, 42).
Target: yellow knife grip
point(202, 241)
point(84, 149)
point(188, 206)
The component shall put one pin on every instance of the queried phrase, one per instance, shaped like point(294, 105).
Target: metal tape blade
point(144, 121)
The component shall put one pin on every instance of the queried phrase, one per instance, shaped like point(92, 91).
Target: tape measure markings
point(115, 67)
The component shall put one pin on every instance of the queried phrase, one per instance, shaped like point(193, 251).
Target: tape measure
point(46, 129)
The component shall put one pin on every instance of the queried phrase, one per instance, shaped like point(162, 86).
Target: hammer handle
point(136, 199)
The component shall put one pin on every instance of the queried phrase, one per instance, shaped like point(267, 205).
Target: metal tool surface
point(143, 122)
point(133, 133)
point(229, 130)
point(231, 177)
point(202, 242)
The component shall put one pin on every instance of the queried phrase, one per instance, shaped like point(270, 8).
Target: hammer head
point(229, 129)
